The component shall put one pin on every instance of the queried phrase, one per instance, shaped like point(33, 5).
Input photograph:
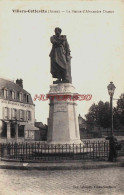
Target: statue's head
point(58, 31)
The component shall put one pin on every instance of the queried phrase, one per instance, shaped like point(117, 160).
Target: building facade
point(17, 112)
point(42, 133)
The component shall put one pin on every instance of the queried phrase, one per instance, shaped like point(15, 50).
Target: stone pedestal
point(63, 125)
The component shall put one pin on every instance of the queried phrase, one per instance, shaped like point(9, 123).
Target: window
point(5, 93)
point(20, 97)
point(21, 114)
point(24, 97)
point(28, 115)
point(13, 130)
point(3, 129)
point(13, 113)
point(13, 95)
point(6, 113)
point(27, 98)
point(21, 130)
point(30, 134)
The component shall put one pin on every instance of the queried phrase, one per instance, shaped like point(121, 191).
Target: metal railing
point(48, 152)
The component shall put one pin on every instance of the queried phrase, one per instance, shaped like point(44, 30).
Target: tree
point(99, 114)
point(119, 113)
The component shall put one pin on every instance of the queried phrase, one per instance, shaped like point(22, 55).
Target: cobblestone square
point(62, 182)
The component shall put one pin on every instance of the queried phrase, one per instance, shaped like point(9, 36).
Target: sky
point(96, 41)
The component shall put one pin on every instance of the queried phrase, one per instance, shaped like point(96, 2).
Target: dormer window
point(5, 92)
point(13, 94)
point(24, 97)
point(21, 97)
point(27, 98)
point(17, 95)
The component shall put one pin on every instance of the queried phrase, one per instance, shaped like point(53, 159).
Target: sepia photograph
point(61, 97)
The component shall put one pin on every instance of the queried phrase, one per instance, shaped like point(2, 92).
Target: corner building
point(17, 112)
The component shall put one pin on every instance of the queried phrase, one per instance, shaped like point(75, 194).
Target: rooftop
point(12, 86)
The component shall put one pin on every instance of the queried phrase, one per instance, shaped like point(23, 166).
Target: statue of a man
point(60, 58)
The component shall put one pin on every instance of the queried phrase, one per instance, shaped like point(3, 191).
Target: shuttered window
point(14, 115)
point(24, 115)
point(17, 114)
point(29, 115)
point(21, 114)
point(6, 113)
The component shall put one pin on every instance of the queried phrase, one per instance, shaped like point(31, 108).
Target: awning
point(31, 127)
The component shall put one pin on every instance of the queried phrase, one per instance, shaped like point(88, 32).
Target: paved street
point(77, 182)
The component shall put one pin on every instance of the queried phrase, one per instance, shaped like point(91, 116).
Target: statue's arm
point(57, 41)
point(53, 40)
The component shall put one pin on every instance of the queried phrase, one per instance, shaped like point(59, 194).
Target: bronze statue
point(60, 58)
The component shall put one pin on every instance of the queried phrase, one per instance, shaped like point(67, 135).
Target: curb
point(64, 167)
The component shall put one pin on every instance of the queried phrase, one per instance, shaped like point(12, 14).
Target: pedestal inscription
point(63, 125)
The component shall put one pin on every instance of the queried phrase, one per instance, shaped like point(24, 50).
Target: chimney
point(19, 82)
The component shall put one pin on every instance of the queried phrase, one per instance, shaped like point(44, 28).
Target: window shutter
point(3, 113)
point(24, 115)
point(11, 113)
point(18, 116)
point(16, 113)
point(7, 93)
point(30, 115)
point(8, 113)
point(4, 92)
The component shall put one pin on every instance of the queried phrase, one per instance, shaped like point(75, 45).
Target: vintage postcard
point(61, 97)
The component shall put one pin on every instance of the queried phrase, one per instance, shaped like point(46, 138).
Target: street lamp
point(111, 89)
